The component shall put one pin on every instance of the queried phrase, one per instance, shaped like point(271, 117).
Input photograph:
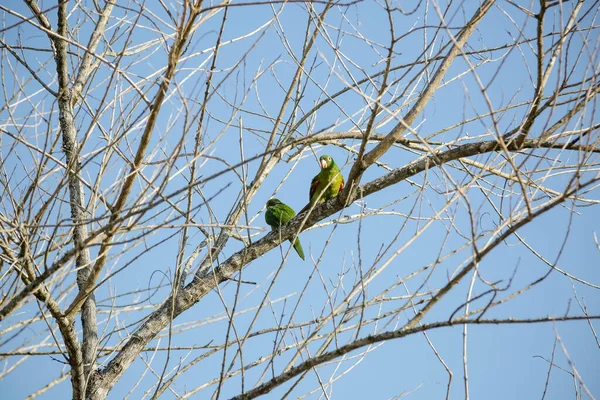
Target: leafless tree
point(141, 140)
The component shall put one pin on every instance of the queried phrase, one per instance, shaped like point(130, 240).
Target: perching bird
point(320, 187)
point(279, 214)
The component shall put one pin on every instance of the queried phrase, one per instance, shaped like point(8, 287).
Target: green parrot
point(320, 187)
point(279, 214)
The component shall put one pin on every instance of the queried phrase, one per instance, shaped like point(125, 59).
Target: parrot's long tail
point(298, 248)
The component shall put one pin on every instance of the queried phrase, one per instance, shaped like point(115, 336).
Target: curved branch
point(382, 337)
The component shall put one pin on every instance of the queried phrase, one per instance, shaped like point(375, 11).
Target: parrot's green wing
point(279, 214)
point(314, 185)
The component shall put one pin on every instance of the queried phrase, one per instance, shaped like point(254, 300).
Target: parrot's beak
point(323, 164)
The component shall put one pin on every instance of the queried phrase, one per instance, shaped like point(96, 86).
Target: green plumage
point(279, 214)
point(327, 183)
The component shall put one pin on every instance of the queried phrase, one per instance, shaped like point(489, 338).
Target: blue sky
point(503, 361)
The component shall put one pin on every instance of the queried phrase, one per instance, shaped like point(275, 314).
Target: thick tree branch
point(71, 149)
point(202, 285)
point(324, 138)
point(77, 361)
